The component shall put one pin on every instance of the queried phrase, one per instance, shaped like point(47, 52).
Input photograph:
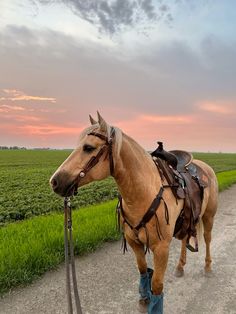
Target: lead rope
point(70, 260)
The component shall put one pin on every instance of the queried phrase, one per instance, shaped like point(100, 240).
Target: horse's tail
point(200, 230)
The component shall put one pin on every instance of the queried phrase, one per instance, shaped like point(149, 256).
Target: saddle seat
point(183, 158)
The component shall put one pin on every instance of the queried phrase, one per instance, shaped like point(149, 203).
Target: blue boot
point(145, 290)
point(145, 284)
point(156, 304)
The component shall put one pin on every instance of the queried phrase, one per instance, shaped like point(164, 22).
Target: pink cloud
point(167, 119)
point(195, 132)
point(48, 129)
point(17, 95)
point(214, 107)
point(26, 118)
point(142, 123)
point(7, 108)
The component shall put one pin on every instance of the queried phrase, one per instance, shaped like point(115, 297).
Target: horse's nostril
point(60, 182)
point(54, 183)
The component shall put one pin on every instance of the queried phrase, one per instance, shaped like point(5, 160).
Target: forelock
point(117, 135)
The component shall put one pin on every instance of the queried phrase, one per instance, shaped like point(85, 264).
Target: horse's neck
point(136, 176)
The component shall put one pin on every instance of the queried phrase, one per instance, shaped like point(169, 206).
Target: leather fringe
point(166, 212)
point(158, 228)
point(124, 247)
point(147, 249)
point(120, 213)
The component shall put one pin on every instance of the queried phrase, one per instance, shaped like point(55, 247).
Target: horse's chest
point(138, 236)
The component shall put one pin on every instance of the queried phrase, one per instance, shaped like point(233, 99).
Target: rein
point(70, 260)
point(68, 237)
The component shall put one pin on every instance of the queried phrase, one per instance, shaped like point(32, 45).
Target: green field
point(25, 191)
point(31, 247)
point(218, 161)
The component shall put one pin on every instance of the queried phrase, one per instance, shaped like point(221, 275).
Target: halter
point(107, 146)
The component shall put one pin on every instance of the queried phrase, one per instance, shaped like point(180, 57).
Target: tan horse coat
point(139, 182)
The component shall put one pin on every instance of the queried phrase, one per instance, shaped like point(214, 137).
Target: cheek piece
point(107, 146)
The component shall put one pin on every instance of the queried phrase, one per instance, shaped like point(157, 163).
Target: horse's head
point(91, 160)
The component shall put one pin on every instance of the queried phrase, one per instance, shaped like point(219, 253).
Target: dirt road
point(108, 280)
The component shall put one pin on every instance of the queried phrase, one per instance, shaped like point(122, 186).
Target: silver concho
point(82, 174)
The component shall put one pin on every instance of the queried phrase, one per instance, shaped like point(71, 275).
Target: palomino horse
point(104, 150)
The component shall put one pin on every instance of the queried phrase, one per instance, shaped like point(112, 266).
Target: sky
point(159, 70)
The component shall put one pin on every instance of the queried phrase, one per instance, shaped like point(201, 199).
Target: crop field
point(25, 190)
point(29, 246)
point(218, 161)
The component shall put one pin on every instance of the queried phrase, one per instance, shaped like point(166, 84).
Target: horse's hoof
point(143, 305)
point(179, 272)
point(209, 273)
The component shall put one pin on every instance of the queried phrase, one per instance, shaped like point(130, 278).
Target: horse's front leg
point(145, 273)
point(161, 253)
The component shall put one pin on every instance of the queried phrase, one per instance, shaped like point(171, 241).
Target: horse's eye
point(88, 148)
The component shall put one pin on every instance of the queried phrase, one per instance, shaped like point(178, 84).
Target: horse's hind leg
point(179, 272)
point(208, 224)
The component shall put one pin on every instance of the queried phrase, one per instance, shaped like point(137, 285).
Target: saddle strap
point(151, 211)
point(168, 174)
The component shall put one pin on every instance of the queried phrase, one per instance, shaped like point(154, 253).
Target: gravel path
point(108, 280)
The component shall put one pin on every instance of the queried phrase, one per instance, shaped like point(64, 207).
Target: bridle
point(68, 238)
point(107, 146)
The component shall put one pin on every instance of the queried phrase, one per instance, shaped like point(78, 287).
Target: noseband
point(107, 146)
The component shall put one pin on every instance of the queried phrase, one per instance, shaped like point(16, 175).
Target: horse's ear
point(102, 123)
point(92, 120)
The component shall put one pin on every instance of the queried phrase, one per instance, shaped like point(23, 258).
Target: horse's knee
point(139, 252)
point(142, 264)
point(161, 253)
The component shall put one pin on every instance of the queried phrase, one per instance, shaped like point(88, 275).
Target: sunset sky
point(159, 70)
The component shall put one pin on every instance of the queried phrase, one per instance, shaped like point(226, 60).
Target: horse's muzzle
point(62, 184)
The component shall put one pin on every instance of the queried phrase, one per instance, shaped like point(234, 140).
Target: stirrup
point(193, 246)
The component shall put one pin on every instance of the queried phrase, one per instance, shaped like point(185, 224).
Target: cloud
point(168, 119)
point(159, 83)
point(17, 95)
point(26, 118)
point(36, 134)
point(203, 132)
point(216, 108)
point(160, 79)
point(48, 129)
point(6, 108)
point(112, 16)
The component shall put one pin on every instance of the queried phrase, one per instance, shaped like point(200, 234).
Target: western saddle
point(187, 181)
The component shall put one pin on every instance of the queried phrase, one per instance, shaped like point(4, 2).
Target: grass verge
point(226, 179)
point(31, 247)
